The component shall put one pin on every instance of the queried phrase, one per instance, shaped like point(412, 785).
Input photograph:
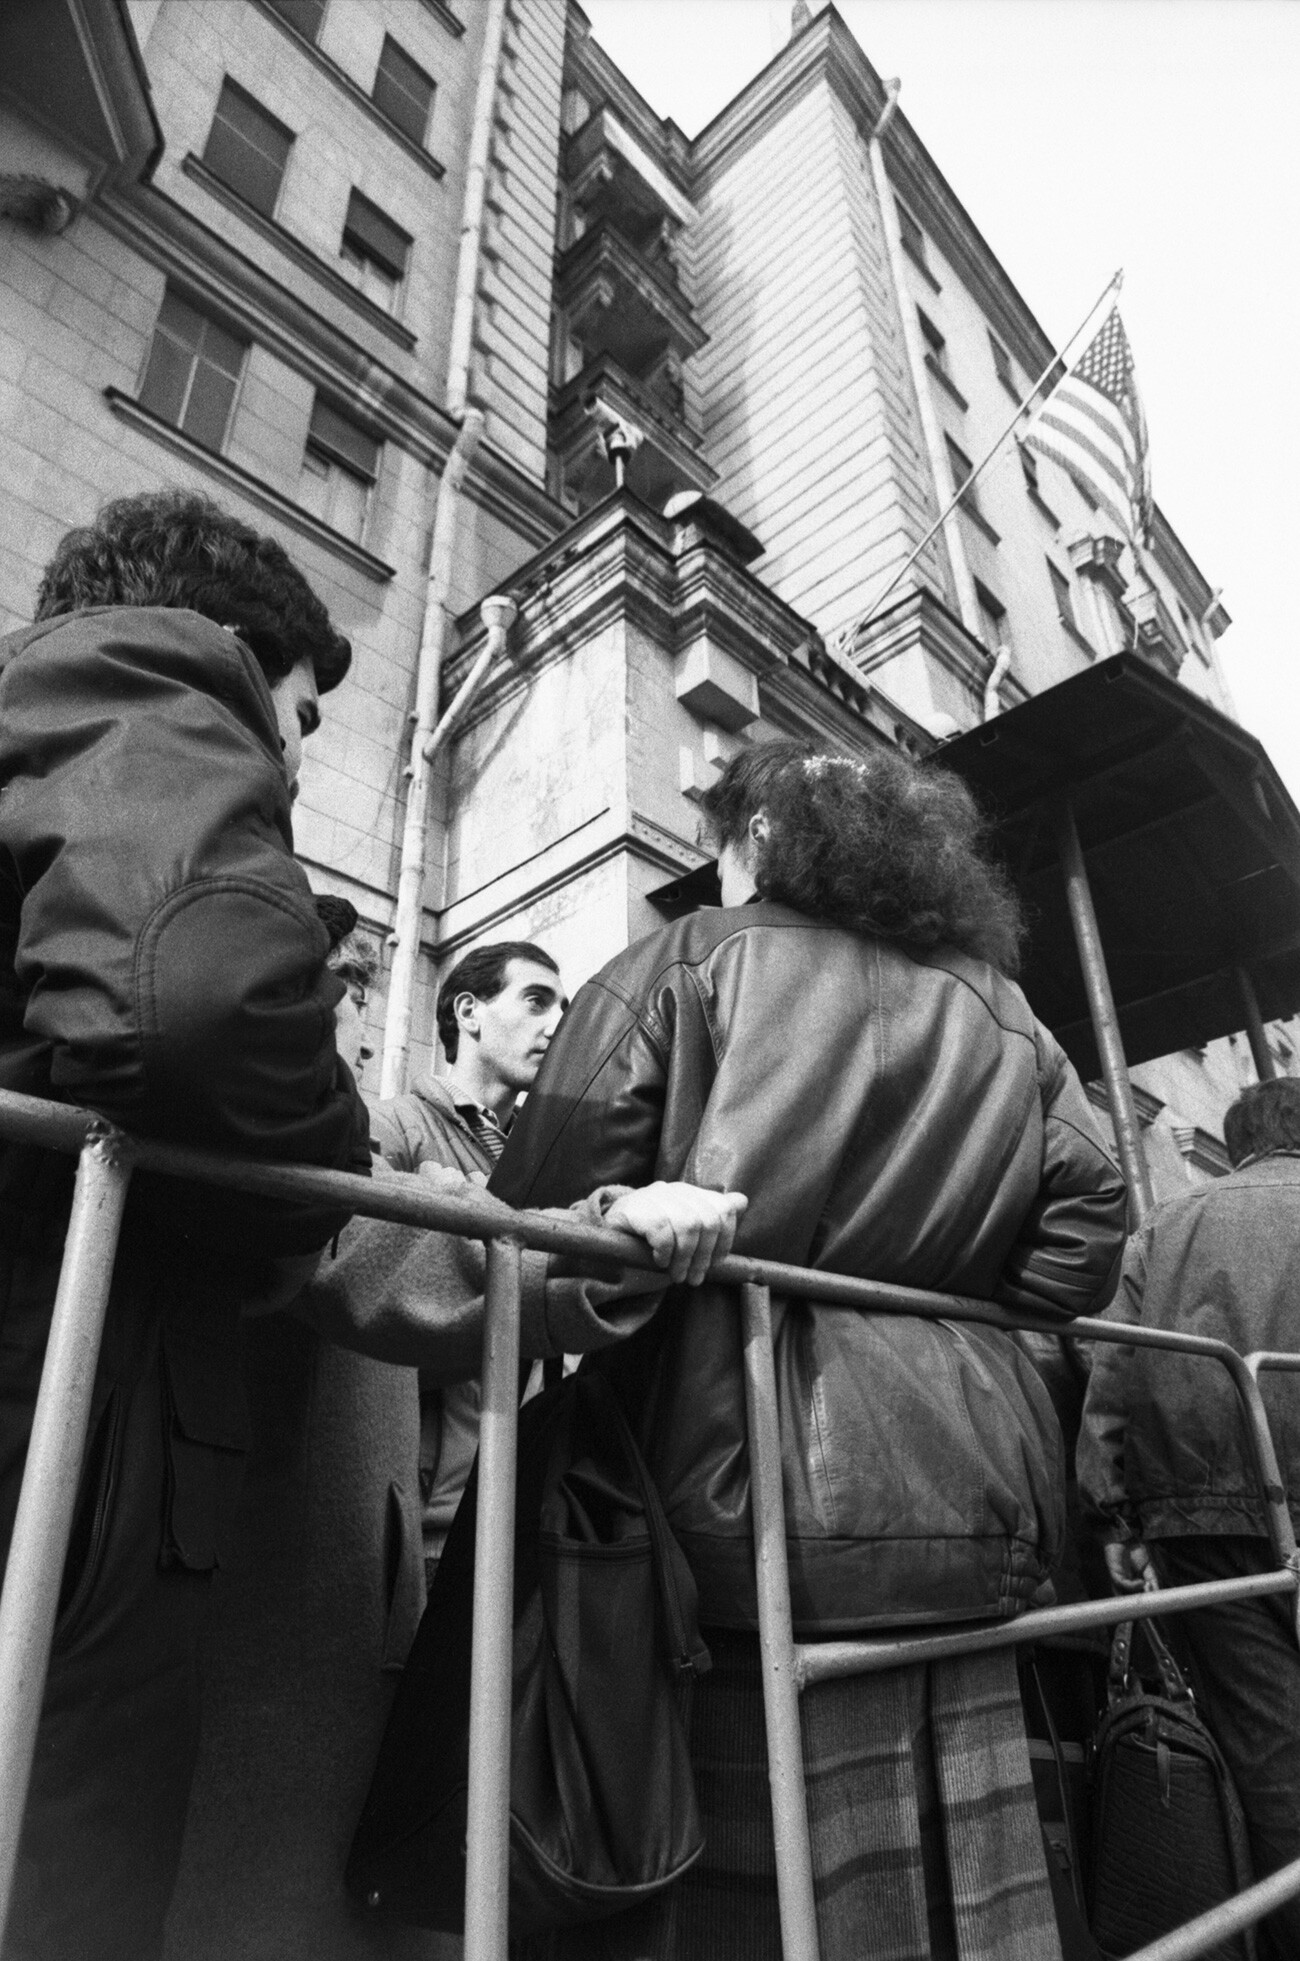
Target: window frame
point(391, 45)
point(286, 12)
point(338, 461)
point(363, 253)
point(231, 88)
point(197, 361)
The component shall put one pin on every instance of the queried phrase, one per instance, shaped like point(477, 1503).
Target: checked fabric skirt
point(925, 1837)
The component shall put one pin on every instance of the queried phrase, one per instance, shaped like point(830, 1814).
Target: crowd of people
point(834, 1069)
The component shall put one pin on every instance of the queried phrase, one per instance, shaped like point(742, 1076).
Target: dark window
point(1029, 464)
point(247, 148)
point(936, 345)
point(375, 248)
point(913, 236)
point(961, 468)
point(339, 466)
point(1002, 363)
point(403, 91)
point(1064, 597)
point(193, 371)
point(993, 618)
point(303, 15)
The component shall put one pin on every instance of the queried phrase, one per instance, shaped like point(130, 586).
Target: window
point(935, 344)
point(913, 236)
point(1064, 597)
point(960, 464)
point(1029, 464)
point(376, 249)
point(247, 148)
point(402, 91)
point(1002, 365)
point(339, 465)
point(193, 371)
point(304, 16)
point(993, 619)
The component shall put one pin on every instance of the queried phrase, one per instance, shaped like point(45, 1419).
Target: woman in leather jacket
point(844, 1042)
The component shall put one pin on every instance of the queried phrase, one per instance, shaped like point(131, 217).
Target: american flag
point(1093, 426)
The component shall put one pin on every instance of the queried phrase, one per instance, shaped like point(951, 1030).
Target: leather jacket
point(890, 1115)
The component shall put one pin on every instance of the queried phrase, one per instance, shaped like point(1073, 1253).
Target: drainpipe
point(435, 625)
point(471, 223)
point(992, 700)
point(945, 488)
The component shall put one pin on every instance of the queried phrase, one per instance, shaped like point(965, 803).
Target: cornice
point(589, 68)
point(919, 619)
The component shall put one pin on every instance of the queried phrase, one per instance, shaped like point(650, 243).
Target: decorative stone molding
point(1202, 1149)
point(1154, 632)
point(1097, 555)
point(36, 204)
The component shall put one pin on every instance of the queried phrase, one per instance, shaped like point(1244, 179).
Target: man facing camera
point(496, 1012)
point(161, 961)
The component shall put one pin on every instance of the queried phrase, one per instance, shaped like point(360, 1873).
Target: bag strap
point(689, 1652)
point(1117, 1674)
point(1062, 1782)
point(1174, 1685)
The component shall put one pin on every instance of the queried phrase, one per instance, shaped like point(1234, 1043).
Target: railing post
point(1105, 1022)
point(43, 1524)
point(1261, 1054)
point(487, 1875)
point(794, 1875)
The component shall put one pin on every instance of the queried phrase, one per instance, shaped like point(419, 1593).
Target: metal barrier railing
point(38, 1547)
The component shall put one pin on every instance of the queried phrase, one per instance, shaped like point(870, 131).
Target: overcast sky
point(1083, 135)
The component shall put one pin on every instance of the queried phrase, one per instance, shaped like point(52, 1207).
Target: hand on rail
point(1129, 1564)
point(686, 1227)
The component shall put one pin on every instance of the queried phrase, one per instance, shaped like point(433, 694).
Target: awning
point(1192, 848)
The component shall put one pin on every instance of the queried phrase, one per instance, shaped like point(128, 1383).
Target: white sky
point(1083, 135)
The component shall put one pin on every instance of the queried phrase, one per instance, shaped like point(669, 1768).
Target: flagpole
point(848, 635)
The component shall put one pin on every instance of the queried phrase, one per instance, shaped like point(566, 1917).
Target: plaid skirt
point(925, 1836)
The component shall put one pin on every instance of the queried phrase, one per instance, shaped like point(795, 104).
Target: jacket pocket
point(206, 1440)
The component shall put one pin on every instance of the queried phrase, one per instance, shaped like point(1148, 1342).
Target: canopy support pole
point(1105, 1022)
point(1265, 1067)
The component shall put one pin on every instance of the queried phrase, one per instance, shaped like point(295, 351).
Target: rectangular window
point(1029, 465)
point(1063, 596)
point(960, 465)
point(339, 467)
point(304, 16)
point(993, 619)
point(377, 251)
point(402, 91)
point(193, 371)
point(935, 344)
point(1002, 364)
point(912, 235)
point(247, 148)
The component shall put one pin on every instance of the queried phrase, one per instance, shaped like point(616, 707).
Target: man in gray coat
point(1164, 1464)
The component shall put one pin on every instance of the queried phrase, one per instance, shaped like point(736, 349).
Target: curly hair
point(874, 843)
point(175, 548)
point(1265, 1118)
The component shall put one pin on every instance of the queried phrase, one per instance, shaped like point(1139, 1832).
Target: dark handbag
point(1169, 1839)
point(603, 1812)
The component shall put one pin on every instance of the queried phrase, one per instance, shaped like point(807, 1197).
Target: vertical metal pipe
point(39, 1546)
point(487, 1877)
point(794, 1876)
point(1265, 1067)
point(1105, 1022)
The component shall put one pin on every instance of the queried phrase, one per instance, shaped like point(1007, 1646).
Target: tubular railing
point(106, 1160)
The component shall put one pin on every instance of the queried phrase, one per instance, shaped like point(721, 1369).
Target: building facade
point(724, 401)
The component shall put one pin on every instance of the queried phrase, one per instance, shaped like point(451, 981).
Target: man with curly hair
point(163, 963)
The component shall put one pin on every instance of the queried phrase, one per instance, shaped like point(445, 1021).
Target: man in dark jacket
point(1164, 1463)
point(161, 961)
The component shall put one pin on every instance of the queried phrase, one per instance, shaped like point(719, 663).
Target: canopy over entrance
point(1192, 849)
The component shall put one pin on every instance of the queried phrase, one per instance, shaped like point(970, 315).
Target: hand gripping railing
point(43, 1523)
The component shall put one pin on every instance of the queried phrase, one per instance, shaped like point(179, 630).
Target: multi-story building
point(729, 384)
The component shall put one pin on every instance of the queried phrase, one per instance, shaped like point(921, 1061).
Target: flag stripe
point(1093, 426)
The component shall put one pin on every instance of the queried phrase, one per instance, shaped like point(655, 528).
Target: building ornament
point(1097, 555)
point(36, 204)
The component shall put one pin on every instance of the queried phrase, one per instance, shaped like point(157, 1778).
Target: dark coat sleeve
point(167, 949)
point(595, 1113)
point(1067, 1254)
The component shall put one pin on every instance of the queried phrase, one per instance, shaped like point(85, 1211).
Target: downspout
point(436, 620)
point(941, 469)
point(992, 700)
